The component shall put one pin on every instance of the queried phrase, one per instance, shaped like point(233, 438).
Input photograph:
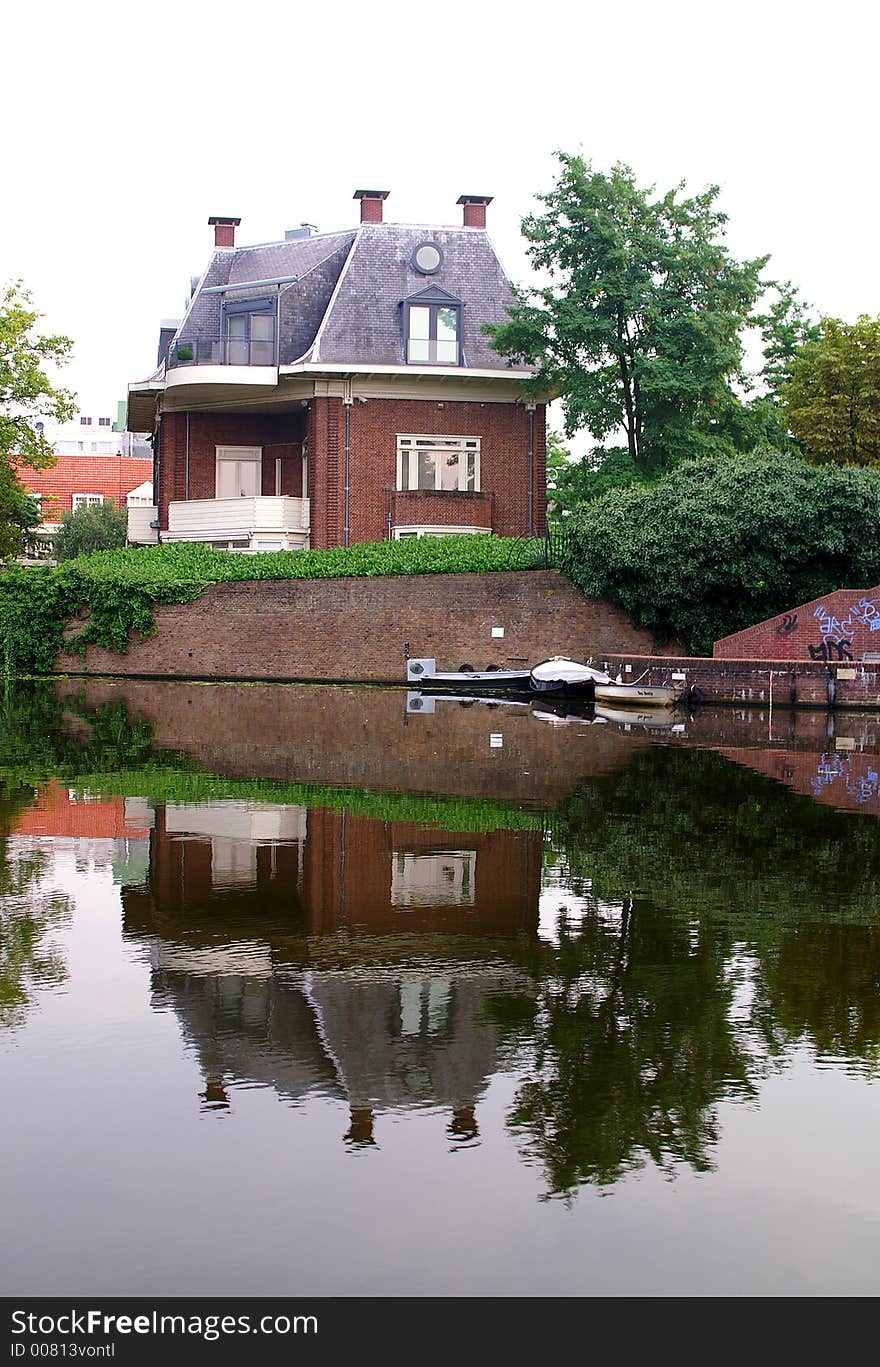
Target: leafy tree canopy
point(639, 326)
point(720, 543)
point(26, 395)
point(831, 392)
point(19, 515)
point(93, 527)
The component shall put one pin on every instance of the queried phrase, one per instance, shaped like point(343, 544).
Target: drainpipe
point(346, 403)
point(186, 463)
point(530, 409)
point(157, 473)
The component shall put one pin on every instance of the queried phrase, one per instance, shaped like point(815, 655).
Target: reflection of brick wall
point(348, 871)
point(837, 628)
point(56, 813)
point(845, 779)
point(357, 628)
point(360, 738)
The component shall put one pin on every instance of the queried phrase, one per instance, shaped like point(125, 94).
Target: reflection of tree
point(819, 983)
point(633, 1044)
point(42, 736)
point(634, 1039)
point(699, 831)
point(27, 914)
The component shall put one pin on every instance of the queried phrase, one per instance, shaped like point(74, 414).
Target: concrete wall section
point(357, 629)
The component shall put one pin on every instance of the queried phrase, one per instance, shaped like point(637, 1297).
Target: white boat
point(637, 695)
point(424, 672)
point(560, 675)
point(649, 718)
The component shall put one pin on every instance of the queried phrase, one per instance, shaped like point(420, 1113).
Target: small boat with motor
point(560, 675)
point(424, 674)
point(636, 694)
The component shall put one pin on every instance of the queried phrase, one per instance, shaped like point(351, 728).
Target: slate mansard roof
point(345, 306)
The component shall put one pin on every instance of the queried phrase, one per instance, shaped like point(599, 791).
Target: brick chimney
point(371, 204)
point(474, 209)
point(224, 230)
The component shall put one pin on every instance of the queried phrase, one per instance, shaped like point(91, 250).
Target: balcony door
point(239, 471)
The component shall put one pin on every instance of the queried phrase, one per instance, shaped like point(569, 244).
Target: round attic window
point(427, 258)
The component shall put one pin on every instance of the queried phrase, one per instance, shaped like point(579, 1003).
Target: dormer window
point(249, 330)
point(432, 328)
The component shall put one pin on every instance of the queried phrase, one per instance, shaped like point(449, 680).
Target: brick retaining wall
point(357, 629)
point(785, 683)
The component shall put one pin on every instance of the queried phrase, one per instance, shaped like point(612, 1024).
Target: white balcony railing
point(240, 520)
point(139, 530)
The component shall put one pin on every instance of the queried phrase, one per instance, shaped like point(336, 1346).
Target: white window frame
point(78, 501)
point(409, 445)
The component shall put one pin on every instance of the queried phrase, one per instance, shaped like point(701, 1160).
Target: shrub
point(724, 542)
point(92, 527)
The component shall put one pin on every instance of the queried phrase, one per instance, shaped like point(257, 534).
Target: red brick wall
point(112, 476)
point(357, 628)
point(804, 683)
point(834, 628)
point(374, 428)
point(279, 434)
point(503, 433)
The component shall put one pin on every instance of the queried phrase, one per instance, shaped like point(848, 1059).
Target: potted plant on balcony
point(185, 352)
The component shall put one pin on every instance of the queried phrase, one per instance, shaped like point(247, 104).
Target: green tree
point(26, 395)
point(640, 324)
point(831, 393)
point(723, 542)
point(93, 527)
point(19, 515)
point(582, 481)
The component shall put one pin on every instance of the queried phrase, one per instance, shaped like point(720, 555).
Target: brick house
point(80, 480)
point(334, 388)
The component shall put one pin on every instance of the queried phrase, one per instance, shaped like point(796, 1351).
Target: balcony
point(246, 524)
point(233, 351)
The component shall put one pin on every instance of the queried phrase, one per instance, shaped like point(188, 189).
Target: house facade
point(81, 481)
point(334, 388)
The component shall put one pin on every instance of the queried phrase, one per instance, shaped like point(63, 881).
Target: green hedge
point(719, 544)
point(105, 598)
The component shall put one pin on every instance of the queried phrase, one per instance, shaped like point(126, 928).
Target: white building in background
point(97, 433)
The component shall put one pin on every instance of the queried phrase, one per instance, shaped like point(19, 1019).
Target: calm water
point(315, 990)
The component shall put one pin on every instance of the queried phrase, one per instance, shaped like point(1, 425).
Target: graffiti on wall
point(832, 650)
point(837, 632)
point(787, 624)
point(839, 771)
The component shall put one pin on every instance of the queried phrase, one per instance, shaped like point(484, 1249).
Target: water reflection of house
point(385, 1040)
point(323, 869)
point(234, 888)
point(110, 831)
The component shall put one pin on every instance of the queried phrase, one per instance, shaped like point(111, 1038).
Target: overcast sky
point(128, 126)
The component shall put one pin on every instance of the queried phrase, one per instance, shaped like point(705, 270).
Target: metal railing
point(203, 350)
